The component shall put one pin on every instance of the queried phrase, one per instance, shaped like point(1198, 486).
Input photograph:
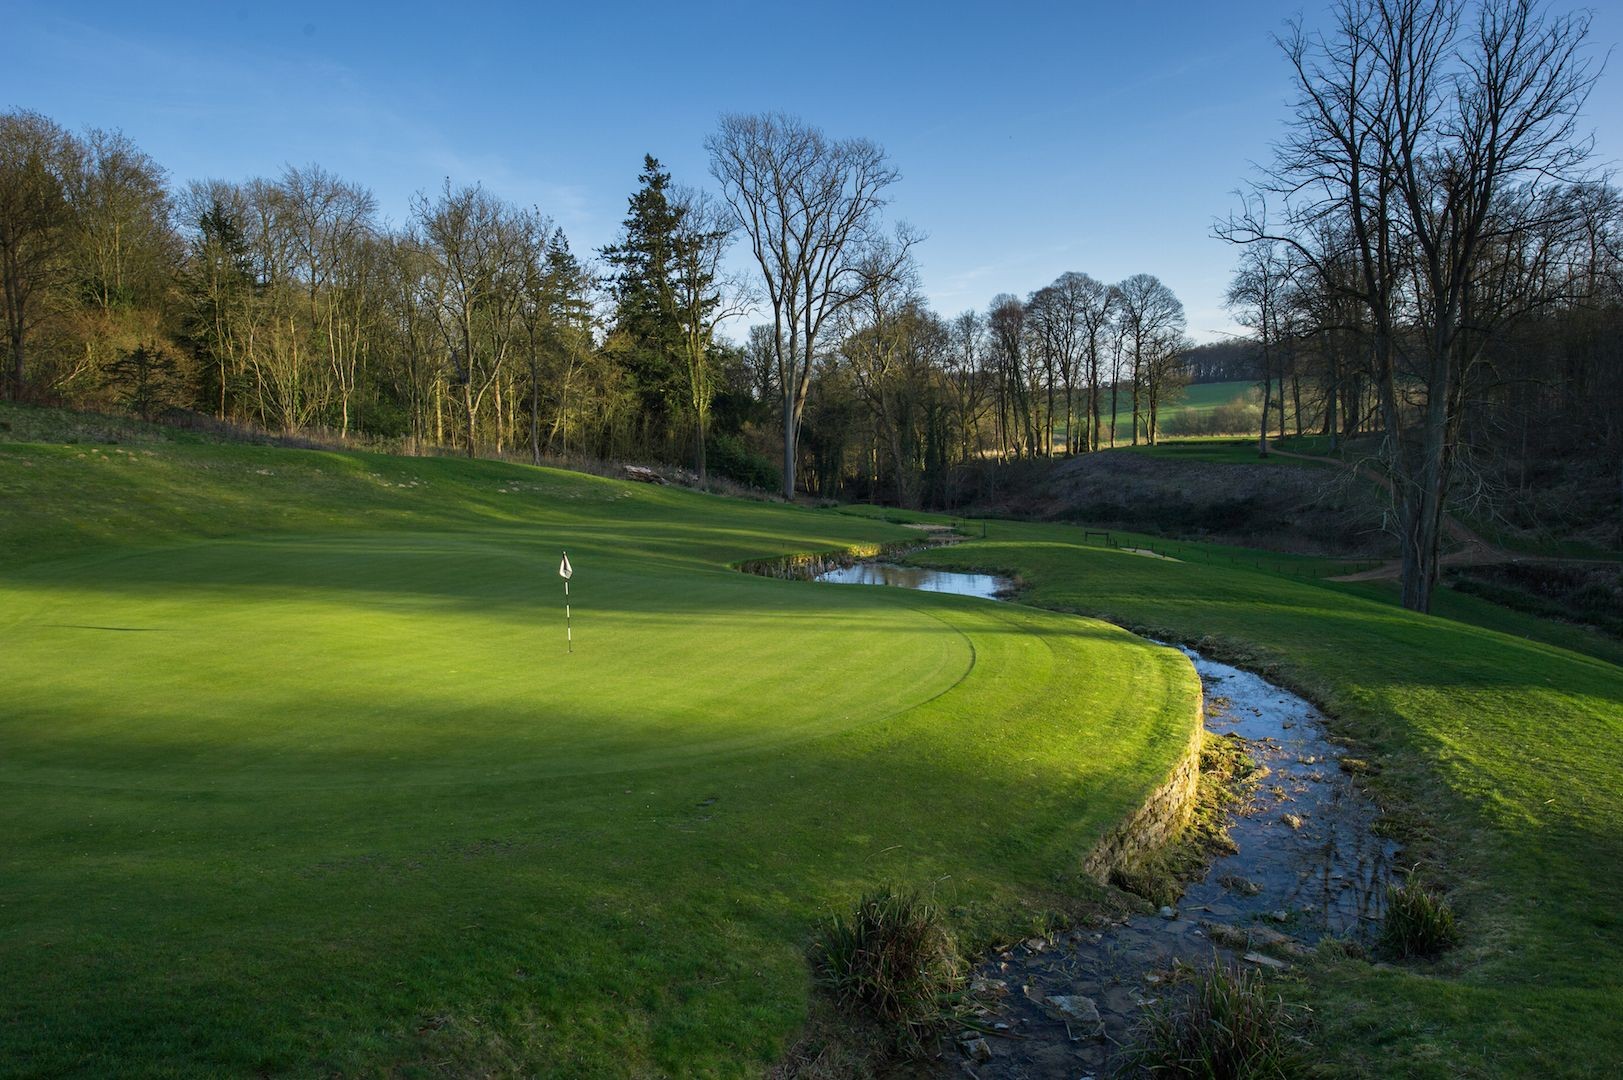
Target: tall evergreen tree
point(218, 285)
point(646, 338)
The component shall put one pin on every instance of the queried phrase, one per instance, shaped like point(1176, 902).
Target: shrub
point(1229, 1026)
point(893, 960)
point(731, 456)
point(1238, 417)
point(1419, 922)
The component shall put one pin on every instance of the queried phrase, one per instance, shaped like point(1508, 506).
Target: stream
point(1308, 864)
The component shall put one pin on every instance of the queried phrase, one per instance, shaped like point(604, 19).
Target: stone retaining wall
point(1161, 818)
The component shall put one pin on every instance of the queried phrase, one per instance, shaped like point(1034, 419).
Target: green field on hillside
point(1498, 754)
point(1196, 399)
point(296, 776)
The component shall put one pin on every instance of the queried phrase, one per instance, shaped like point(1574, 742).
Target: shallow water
point(1308, 839)
point(987, 586)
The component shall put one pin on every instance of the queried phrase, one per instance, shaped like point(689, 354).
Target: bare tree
point(881, 339)
point(1095, 306)
point(967, 378)
point(121, 208)
point(1255, 295)
point(331, 231)
point(761, 359)
point(1118, 357)
point(810, 207)
point(702, 296)
point(1049, 325)
point(480, 246)
point(1006, 324)
point(1153, 322)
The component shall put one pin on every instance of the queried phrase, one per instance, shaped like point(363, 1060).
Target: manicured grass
point(296, 776)
point(1500, 756)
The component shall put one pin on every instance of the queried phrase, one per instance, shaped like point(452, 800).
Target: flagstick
point(566, 571)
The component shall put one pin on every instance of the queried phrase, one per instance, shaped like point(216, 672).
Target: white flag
point(566, 571)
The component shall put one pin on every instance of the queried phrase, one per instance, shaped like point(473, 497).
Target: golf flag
point(566, 572)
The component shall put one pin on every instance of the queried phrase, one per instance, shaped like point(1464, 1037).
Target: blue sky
point(1032, 139)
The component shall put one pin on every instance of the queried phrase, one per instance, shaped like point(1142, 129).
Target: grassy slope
point(295, 776)
point(1504, 751)
point(1196, 398)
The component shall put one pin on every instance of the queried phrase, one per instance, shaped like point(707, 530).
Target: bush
point(891, 960)
point(731, 456)
point(1228, 1027)
point(1238, 417)
point(1419, 922)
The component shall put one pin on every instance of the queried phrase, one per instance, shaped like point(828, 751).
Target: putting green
point(408, 659)
point(296, 775)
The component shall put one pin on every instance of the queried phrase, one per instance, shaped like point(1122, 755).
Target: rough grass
point(297, 778)
point(892, 960)
point(1229, 1024)
point(1419, 921)
point(1499, 756)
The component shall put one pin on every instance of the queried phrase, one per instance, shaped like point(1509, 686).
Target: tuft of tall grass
point(1229, 1026)
point(893, 960)
point(1419, 922)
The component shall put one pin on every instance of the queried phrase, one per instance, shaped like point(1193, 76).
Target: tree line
point(287, 304)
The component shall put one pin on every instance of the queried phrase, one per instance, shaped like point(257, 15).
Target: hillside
point(1202, 489)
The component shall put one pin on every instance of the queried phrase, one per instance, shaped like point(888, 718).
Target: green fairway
point(1498, 753)
point(297, 777)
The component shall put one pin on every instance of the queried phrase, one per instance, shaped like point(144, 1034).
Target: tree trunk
point(535, 412)
point(700, 425)
point(790, 437)
point(1070, 422)
point(1296, 397)
point(1267, 392)
point(1093, 409)
point(16, 379)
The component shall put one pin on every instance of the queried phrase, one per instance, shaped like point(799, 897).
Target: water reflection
point(986, 586)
